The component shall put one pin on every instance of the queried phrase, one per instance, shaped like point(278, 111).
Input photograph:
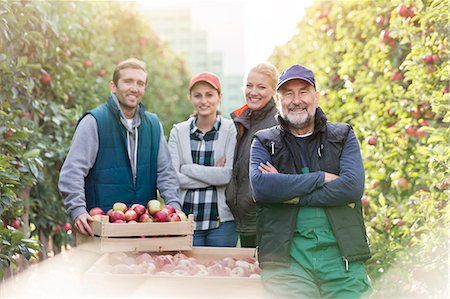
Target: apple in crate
point(154, 206)
point(97, 217)
point(96, 211)
point(117, 215)
point(182, 215)
point(139, 209)
point(161, 216)
point(146, 217)
point(168, 209)
point(120, 206)
point(174, 217)
point(131, 215)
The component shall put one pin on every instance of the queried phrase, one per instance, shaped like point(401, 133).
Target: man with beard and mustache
point(118, 153)
point(307, 178)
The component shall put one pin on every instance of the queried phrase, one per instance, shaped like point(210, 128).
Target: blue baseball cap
point(296, 71)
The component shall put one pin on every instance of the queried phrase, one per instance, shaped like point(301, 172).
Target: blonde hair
point(131, 63)
point(265, 68)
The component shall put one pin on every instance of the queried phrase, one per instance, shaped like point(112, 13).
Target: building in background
point(209, 46)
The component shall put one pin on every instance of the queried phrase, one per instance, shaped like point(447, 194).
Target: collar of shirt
point(195, 129)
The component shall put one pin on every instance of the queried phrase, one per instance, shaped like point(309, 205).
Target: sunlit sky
point(257, 25)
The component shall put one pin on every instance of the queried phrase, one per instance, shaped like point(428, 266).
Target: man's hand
point(329, 177)
point(82, 224)
point(267, 168)
point(221, 162)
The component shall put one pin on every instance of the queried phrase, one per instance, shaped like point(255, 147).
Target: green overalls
point(316, 267)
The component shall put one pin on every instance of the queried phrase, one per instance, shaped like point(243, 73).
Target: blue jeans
point(223, 236)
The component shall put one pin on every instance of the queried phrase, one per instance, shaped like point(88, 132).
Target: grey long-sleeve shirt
point(81, 158)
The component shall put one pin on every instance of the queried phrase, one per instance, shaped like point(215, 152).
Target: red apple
point(96, 211)
point(428, 59)
point(131, 215)
point(402, 183)
point(398, 222)
point(120, 206)
point(139, 209)
point(182, 215)
point(87, 63)
point(101, 72)
point(420, 133)
point(116, 215)
point(375, 184)
point(67, 227)
point(364, 200)
point(410, 130)
point(109, 212)
point(16, 223)
point(9, 133)
point(380, 21)
point(154, 206)
point(168, 209)
point(161, 216)
point(174, 217)
point(371, 140)
point(403, 11)
point(45, 79)
point(57, 229)
point(415, 113)
point(146, 218)
point(397, 76)
point(119, 221)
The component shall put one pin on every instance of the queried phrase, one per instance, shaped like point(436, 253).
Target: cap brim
point(293, 78)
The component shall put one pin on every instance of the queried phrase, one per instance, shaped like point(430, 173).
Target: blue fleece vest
point(110, 180)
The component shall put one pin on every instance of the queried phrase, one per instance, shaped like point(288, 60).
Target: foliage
point(56, 59)
point(383, 66)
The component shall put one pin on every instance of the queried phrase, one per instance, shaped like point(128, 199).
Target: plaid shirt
point(202, 202)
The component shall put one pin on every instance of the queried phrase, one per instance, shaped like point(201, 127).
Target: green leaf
point(31, 154)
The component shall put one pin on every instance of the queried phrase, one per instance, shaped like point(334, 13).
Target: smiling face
point(129, 90)
point(205, 99)
point(297, 102)
point(258, 90)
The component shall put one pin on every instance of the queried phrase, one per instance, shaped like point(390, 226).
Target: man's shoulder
point(268, 133)
point(335, 129)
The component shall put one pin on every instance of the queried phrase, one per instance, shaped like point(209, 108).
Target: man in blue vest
point(118, 153)
point(307, 178)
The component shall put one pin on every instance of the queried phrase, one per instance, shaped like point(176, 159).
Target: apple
point(380, 21)
point(154, 206)
point(371, 140)
point(420, 133)
point(116, 215)
point(119, 221)
point(182, 215)
point(109, 212)
point(57, 229)
point(131, 215)
point(403, 11)
point(45, 79)
point(139, 209)
point(410, 130)
point(145, 218)
point(9, 133)
point(96, 211)
point(375, 184)
point(402, 183)
point(88, 63)
point(101, 72)
point(364, 200)
point(398, 222)
point(120, 206)
point(67, 227)
point(428, 59)
point(168, 209)
point(16, 223)
point(397, 76)
point(161, 216)
point(174, 217)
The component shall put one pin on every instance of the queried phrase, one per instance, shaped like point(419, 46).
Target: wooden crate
point(98, 282)
point(139, 237)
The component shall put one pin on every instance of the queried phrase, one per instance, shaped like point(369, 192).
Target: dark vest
point(276, 222)
point(110, 180)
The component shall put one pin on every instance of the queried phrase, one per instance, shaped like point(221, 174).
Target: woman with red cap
point(202, 150)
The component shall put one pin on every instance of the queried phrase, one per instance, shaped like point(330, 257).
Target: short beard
point(300, 122)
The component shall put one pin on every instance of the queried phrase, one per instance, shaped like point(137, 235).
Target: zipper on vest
point(256, 250)
point(345, 260)
point(272, 147)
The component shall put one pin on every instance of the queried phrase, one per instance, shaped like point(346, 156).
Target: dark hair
point(131, 63)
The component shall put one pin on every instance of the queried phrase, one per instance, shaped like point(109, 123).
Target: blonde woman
point(202, 149)
point(258, 113)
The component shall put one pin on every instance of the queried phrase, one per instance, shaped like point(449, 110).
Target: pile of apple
point(179, 265)
point(154, 212)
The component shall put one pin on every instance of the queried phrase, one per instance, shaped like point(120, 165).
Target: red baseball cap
point(207, 77)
